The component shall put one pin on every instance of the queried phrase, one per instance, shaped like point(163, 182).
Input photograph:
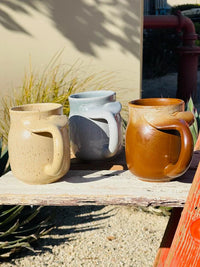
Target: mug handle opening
point(187, 146)
point(108, 112)
point(51, 125)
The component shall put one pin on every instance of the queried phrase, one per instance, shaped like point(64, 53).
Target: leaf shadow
point(86, 25)
point(68, 221)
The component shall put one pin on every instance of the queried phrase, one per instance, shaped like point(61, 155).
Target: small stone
point(111, 237)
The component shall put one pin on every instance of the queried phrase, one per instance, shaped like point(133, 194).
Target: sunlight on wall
point(103, 35)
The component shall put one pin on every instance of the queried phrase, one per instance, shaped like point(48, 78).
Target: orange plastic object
point(168, 238)
point(185, 248)
point(195, 230)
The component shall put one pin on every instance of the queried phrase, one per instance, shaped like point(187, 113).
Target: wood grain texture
point(94, 187)
point(185, 248)
point(167, 239)
point(87, 184)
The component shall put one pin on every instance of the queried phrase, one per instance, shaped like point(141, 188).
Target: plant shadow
point(83, 23)
point(67, 222)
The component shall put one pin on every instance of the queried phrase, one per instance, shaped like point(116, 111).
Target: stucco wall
point(103, 35)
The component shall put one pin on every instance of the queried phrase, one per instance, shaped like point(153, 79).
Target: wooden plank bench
point(95, 186)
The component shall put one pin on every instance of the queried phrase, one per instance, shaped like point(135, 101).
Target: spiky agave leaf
point(194, 128)
point(3, 158)
point(21, 226)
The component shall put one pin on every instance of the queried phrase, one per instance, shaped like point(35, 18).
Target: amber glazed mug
point(159, 144)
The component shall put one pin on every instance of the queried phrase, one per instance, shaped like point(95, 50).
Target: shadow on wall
point(85, 23)
point(7, 21)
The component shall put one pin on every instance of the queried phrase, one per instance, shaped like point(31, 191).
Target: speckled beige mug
point(38, 143)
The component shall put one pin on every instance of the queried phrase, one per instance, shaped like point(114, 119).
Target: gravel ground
point(98, 236)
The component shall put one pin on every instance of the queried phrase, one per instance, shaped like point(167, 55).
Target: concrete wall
point(103, 35)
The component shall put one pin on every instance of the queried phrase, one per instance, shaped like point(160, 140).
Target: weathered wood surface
point(98, 187)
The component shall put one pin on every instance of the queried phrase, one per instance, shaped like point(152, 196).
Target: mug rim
point(77, 96)
point(52, 106)
point(155, 102)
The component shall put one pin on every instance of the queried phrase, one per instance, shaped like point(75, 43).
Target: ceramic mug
point(38, 143)
point(95, 125)
point(159, 144)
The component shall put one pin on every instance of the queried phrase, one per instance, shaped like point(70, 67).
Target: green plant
point(4, 167)
point(52, 84)
point(195, 127)
point(194, 17)
point(157, 210)
point(183, 7)
point(20, 226)
point(197, 28)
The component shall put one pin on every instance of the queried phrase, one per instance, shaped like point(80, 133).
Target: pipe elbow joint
point(187, 26)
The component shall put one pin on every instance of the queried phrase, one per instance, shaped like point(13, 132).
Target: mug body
point(152, 142)
point(92, 114)
point(31, 148)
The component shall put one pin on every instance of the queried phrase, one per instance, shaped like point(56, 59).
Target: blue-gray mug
point(95, 125)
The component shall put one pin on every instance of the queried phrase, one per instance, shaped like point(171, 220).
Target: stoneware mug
point(38, 143)
point(159, 144)
point(95, 125)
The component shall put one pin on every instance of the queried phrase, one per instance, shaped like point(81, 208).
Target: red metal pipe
point(161, 21)
point(189, 52)
point(178, 22)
